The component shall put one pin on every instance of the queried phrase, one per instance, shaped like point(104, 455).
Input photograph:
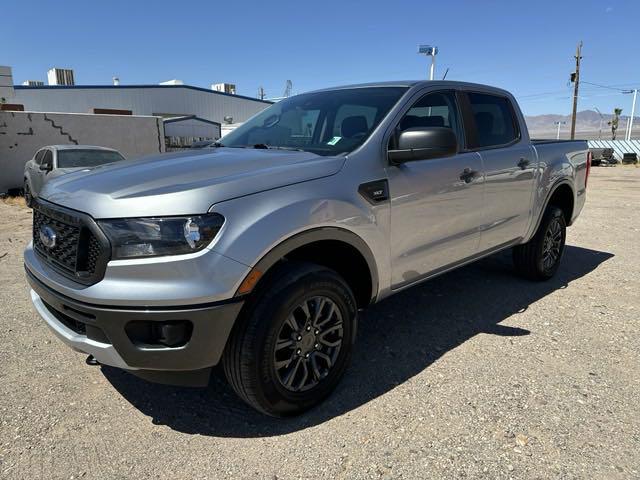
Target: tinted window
point(326, 123)
point(433, 110)
point(494, 119)
point(38, 157)
point(47, 158)
point(86, 158)
point(366, 112)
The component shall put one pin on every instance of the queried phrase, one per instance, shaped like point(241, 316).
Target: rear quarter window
point(495, 122)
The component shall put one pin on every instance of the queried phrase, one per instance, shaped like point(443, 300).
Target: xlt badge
point(375, 192)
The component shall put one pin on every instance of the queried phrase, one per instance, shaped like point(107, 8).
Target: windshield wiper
point(276, 147)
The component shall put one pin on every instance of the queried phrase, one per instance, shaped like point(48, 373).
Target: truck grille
point(70, 242)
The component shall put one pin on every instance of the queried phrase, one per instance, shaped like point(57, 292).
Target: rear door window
point(494, 119)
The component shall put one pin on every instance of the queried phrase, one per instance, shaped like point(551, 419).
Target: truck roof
point(418, 83)
point(79, 147)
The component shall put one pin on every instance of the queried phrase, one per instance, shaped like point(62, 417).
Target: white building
point(60, 76)
point(175, 81)
point(224, 87)
point(6, 85)
point(165, 101)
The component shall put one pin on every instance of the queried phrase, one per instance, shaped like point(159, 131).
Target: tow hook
point(91, 360)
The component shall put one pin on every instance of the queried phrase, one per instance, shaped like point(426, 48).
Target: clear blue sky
point(525, 47)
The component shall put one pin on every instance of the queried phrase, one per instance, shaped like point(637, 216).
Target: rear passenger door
point(509, 165)
point(436, 204)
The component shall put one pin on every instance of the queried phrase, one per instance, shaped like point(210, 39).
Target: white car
point(55, 160)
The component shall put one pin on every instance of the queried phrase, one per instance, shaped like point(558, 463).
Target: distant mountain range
point(587, 120)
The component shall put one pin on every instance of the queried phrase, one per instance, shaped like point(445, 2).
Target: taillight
point(586, 177)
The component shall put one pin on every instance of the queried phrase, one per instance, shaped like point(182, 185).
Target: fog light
point(171, 333)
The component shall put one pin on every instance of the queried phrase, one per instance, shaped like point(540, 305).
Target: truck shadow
point(398, 338)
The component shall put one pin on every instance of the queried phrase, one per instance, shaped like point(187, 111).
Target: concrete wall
point(23, 133)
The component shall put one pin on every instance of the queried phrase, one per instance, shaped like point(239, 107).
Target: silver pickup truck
point(258, 252)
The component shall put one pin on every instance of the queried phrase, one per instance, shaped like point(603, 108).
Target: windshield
point(86, 158)
point(326, 123)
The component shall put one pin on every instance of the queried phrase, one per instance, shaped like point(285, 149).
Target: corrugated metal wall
point(152, 100)
point(620, 147)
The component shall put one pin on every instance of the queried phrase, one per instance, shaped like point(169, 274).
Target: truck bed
point(542, 141)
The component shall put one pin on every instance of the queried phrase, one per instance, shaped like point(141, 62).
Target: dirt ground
point(477, 374)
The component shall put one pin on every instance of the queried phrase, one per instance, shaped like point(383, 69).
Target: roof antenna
point(445, 73)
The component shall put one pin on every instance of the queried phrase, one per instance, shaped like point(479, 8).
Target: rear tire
point(292, 343)
point(539, 258)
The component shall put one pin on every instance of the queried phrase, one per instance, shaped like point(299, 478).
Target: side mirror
point(46, 167)
point(424, 143)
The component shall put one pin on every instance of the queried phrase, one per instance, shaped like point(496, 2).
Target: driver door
point(33, 166)
point(39, 176)
point(436, 204)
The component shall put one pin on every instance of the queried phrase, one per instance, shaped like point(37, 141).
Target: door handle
point(523, 163)
point(467, 175)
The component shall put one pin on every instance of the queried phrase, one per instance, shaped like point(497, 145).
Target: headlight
point(152, 237)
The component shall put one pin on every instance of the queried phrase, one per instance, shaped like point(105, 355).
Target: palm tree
point(614, 122)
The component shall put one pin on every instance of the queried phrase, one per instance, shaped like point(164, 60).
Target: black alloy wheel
point(308, 344)
point(293, 340)
point(539, 258)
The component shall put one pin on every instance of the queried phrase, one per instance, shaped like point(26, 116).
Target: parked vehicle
point(202, 143)
point(602, 156)
point(55, 160)
point(259, 254)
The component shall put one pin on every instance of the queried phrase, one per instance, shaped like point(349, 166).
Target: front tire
point(293, 340)
point(26, 192)
point(539, 258)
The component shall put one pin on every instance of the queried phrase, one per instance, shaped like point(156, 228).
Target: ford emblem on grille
point(48, 236)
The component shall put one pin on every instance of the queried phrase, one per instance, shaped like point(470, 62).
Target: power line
point(604, 86)
point(531, 95)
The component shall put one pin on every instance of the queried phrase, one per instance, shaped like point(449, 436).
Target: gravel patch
point(476, 374)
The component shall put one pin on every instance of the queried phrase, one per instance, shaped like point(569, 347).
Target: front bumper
point(100, 330)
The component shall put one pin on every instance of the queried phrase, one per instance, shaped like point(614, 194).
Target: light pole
point(558, 131)
point(633, 112)
point(429, 51)
point(600, 130)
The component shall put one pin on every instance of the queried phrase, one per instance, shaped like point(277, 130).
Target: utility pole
point(633, 112)
point(558, 131)
point(432, 70)
point(429, 51)
point(287, 89)
point(576, 80)
point(261, 93)
point(600, 129)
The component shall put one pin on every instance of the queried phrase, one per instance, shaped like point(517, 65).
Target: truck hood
point(184, 183)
